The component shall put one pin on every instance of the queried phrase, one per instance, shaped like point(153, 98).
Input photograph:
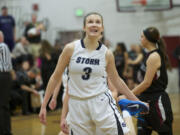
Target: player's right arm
point(53, 102)
point(55, 78)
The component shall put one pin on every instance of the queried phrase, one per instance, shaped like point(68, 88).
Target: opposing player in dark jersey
point(152, 88)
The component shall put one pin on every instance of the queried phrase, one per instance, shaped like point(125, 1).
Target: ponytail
point(162, 47)
point(152, 34)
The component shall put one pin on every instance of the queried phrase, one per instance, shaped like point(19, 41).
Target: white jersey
point(87, 71)
point(65, 79)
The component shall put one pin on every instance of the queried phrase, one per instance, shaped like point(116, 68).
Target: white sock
point(126, 114)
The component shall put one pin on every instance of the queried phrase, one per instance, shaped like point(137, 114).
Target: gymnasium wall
point(125, 27)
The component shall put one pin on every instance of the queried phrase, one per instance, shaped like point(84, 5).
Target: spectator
point(25, 85)
point(24, 76)
point(136, 62)
point(132, 52)
point(21, 48)
point(7, 26)
point(33, 35)
point(48, 58)
point(121, 57)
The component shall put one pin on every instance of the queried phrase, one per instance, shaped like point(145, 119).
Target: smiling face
point(93, 25)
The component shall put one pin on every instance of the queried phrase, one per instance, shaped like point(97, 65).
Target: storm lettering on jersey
point(83, 60)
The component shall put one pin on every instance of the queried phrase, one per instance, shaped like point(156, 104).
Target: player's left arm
point(115, 79)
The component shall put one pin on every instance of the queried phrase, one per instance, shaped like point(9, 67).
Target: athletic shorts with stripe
point(97, 112)
point(160, 116)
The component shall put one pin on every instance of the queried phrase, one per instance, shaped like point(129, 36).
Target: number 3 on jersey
point(87, 72)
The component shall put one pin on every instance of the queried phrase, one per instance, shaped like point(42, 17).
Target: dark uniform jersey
point(160, 80)
point(160, 114)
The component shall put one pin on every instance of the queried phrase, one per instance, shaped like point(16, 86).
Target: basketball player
point(152, 88)
point(90, 104)
point(65, 98)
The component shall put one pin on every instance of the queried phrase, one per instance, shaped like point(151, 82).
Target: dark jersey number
point(87, 72)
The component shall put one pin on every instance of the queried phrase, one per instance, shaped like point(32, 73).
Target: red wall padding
point(172, 42)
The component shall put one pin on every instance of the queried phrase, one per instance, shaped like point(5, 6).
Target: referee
point(5, 87)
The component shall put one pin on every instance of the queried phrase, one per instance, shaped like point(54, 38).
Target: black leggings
point(143, 130)
point(160, 115)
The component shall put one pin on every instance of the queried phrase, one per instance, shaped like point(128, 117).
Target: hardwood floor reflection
point(30, 125)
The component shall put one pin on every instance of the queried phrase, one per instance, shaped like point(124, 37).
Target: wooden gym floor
point(30, 125)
